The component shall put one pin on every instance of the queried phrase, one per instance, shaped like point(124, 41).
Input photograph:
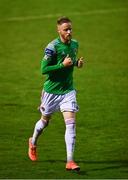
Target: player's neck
point(64, 40)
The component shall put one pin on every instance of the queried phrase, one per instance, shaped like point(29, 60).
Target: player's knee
point(68, 115)
point(46, 119)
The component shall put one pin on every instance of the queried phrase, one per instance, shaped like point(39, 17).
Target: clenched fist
point(80, 62)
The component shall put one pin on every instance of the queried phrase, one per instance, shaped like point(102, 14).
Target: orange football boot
point(71, 165)
point(32, 151)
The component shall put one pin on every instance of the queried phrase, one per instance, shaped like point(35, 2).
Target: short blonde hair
point(62, 20)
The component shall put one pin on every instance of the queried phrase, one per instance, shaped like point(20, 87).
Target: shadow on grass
point(100, 165)
point(81, 172)
point(89, 162)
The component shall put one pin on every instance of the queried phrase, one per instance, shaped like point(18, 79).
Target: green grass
point(102, 140)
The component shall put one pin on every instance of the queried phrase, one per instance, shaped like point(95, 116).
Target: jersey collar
point(63, 42)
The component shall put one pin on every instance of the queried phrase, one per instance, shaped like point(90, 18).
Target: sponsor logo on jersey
point(49, 52)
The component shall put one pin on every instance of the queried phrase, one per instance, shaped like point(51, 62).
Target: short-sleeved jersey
point(59, 79)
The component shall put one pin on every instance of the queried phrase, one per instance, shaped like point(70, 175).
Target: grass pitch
point(102, 140)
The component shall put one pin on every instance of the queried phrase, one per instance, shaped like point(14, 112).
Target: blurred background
point(101, 28)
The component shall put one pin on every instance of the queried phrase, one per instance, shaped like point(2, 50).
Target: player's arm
point(46, 68)
point(79, 61)
point(46, 63)
point(50, 54)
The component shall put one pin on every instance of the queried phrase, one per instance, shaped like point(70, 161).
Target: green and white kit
point(59, 79)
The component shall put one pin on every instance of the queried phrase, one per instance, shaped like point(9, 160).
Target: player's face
point(65, 32)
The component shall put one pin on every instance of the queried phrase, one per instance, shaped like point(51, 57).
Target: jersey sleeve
point(76, 53)
point(49, 52)
point(49, 55)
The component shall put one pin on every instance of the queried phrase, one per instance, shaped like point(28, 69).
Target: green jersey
point(59, 79)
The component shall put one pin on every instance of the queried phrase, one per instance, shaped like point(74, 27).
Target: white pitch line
point(49, 16)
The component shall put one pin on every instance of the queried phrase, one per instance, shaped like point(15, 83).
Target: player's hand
point(80, 62)
point(67, 61)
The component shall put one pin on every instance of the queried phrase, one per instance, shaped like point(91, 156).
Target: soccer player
point(60, 58)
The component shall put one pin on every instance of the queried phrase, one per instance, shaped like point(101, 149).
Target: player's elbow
point(43, 71)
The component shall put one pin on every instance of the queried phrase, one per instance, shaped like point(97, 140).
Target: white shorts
point(52, 102)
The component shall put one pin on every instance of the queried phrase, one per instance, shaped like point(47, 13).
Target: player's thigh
point(69, 103)
point(49, 104)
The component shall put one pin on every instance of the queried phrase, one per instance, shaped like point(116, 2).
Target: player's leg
point(46, 111)
point(39, 127)
point(70, 135)
point(68, 107)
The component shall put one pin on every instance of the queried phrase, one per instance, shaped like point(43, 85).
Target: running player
point(58, 93)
